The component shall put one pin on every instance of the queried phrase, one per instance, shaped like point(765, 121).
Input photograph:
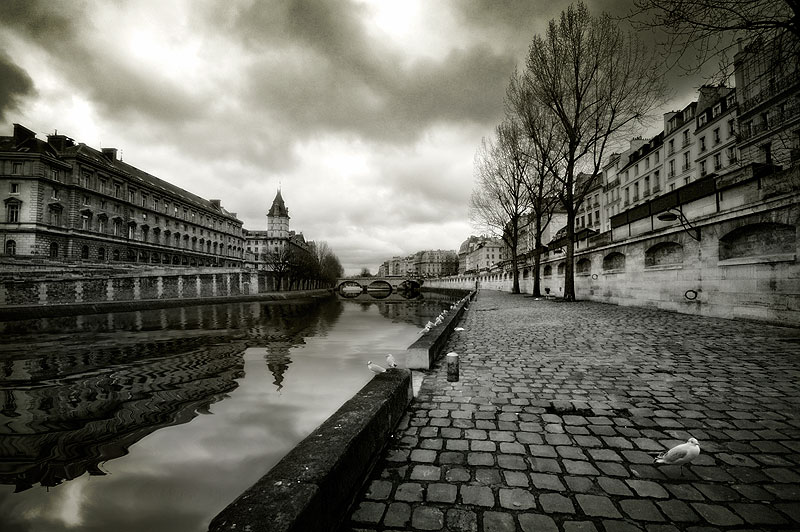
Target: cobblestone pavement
point(560, 408)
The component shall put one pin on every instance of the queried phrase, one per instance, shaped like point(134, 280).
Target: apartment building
point(65, 201)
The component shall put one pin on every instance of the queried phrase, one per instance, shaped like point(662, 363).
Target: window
point(12, 211)
point(85, 252)
point(731, 127)
point(703, 168)
point(15, 188)
point(647, 185)
point(117, 190)
point(656, 181)
point(671, 168)
point(731, 155)
point(636, 192)
point(671, 148)
point(717, 138)
point(101, 254)
point(703, 143)
point(54, 250)
point(647, 163)
point(686, 163)
point(11, 247)
point(86, 180)
point(701, 121)
point(55, 216)
point(55, 175)
point(686, 137)
point(132, 231)
point(101, 225)
point(16, 169)
point(87, 200)
point(56, 193)
point(144, 200)
point(627, 195)
point(85, 222)
point(155, 204)
point(716, 110)
point(103, 186)
point(657, 156)
point(132, 196)
point(117, 228)
point(717, 161)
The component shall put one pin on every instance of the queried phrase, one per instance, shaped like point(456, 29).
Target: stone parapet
point(313, 487)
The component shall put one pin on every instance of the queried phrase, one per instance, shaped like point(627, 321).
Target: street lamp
point(673, 214)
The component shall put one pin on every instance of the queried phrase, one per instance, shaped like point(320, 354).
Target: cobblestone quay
point(561, 407)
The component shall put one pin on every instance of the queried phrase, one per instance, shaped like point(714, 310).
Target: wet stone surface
point(561, 407)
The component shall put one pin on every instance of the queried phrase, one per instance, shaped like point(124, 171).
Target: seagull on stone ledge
point(680, 454)
point(374, 368)
point(390, 361)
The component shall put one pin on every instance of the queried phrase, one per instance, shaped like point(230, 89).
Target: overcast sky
point(367, 114)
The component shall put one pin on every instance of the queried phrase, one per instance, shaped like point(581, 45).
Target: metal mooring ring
point(594, 276)
point(691, 295)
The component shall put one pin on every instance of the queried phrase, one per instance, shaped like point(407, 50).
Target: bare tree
point(279, 262)
point(544, 149)
point(597, 82)
point(706, 28)
point(499, 199)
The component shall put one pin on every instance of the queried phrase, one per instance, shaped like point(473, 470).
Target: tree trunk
point(537, 258)
point(569, 267)
point(514, 271)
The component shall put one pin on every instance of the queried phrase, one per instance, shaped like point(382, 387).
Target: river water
point(156, 420)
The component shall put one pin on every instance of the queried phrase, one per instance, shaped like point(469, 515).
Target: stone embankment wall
point(744, 266)
point(54, 288)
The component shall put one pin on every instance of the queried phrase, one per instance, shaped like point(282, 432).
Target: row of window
point(145, 199)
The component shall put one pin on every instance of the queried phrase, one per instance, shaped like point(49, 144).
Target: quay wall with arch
point(745, 267)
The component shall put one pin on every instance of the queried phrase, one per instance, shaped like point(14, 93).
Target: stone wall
point(744, 266)
point(67, 288)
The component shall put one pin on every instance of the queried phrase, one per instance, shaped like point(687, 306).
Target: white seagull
point(374, 368)
point(390, 361)
point(680, 454)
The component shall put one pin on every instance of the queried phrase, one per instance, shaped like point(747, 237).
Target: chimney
point(216, 203)
point(110, 153)
point(60, 142)
point(21, 134)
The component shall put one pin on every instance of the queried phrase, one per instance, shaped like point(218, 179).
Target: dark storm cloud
point(320, 72)
point(120, 89)
point(15, 84)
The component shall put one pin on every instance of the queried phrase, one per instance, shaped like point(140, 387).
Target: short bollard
point(452, 367)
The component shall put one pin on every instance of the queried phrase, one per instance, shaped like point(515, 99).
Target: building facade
point(69, 202)
point(268, 250)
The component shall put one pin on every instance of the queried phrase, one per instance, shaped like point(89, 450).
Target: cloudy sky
point(366, 113)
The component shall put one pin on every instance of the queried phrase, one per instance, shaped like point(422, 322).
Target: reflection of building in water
point(278, 360)
point(59, 427)
point(65, 407)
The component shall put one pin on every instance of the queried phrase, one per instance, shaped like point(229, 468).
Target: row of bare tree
point(293, 264)
point(587, 87)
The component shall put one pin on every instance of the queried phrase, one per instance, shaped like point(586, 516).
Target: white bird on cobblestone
point(390, 361)
point(374, 368)
point(680, 454)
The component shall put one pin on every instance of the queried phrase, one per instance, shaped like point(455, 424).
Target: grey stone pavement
point(560, 408)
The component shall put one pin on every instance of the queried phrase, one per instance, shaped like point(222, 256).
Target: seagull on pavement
point(392, 363)
point(680, 454)
point(374, 368)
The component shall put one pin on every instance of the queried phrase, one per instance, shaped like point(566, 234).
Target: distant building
point(480, 253)
point(64, 201)
point(435, 263)
point(265, 248)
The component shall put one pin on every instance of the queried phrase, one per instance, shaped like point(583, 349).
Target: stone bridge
point(377, 284)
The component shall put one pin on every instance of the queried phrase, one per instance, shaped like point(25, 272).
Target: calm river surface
point(156, 420)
